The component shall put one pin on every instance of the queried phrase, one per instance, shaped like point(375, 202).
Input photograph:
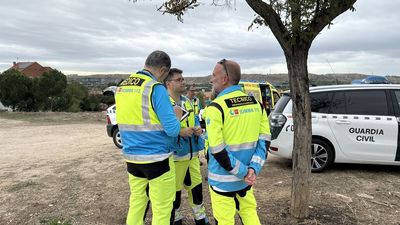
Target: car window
point(397, 93)
point(366, 102)
point(280, 105)
point(321, 102)
point(338, 105)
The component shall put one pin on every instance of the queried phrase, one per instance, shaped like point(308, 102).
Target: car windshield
point(280, 105)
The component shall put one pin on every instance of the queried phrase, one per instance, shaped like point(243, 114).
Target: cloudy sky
point(115, 36)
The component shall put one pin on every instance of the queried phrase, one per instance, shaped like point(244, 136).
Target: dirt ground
point(58, 170)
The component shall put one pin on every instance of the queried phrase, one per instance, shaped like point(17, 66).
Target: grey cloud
point(116, 36)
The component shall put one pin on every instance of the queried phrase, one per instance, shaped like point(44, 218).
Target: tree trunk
point(299, 86)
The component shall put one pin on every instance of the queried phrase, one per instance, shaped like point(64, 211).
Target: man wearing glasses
point(191, 96)
point(238, 137)
point(186, 151)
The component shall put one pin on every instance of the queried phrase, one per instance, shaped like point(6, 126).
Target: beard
point(214, 93)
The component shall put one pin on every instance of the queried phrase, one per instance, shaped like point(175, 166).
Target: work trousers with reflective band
point(188, 175)
point(226, 204)
point(159, 177)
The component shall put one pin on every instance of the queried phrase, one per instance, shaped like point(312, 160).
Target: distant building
point(30, 69)
point(98, 81)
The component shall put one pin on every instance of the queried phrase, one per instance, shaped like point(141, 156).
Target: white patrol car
point(350, 124)
point(112, 127)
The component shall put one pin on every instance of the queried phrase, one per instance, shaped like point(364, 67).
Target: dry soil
point(70, 172)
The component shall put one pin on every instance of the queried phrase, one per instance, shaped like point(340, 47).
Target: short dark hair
point(189, 86)
point(158, 59)
point(171, 73)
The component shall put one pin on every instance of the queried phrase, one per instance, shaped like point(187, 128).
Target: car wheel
point(321, 155)
point(117, 138)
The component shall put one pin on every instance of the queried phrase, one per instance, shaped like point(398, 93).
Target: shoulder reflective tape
point(265, 137)
point(217, 148)
point(145, 127)
point(223, 178)
point(248, 145)
point(146, 103)
point(147, 158)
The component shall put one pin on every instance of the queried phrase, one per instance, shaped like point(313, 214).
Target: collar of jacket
point(229, 90)
point(147, 73)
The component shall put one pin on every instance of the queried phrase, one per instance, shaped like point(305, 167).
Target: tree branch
point(324, 17)
point(178, 7)
point(273, 20)
point(295, 9)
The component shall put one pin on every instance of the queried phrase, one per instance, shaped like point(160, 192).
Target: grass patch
point(55, 117)
point(55, 221)
point(22, 185)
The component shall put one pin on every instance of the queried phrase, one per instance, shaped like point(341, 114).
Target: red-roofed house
point(30, 69)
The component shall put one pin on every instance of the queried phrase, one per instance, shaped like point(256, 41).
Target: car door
point(364, 125)
point(396, 106)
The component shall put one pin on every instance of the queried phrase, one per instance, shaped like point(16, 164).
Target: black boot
point(202, 222)
point(179, 222)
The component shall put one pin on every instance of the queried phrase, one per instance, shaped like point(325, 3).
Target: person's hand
point(197, 131)
point(186, 132)
point(251, 176)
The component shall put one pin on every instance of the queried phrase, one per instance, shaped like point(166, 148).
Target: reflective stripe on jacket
point(237, 129)
point(186, 148)
point(143, 136)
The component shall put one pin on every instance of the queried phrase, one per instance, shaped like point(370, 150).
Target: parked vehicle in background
point(264, 92)
point(350, 124)
point(112, 127)
point(4, 108)
point(110, 90)
point(372, 80)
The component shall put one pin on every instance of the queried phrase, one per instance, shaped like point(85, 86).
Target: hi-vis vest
point(236, 123)
point(143, 137)
point(186, 148)
point(195, 103)
point(188, 121)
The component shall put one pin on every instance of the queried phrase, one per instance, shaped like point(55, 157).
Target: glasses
point(223, 63)
point(180, 79)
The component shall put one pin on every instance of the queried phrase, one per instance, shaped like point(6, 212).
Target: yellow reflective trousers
point(161, 193)
point(226, 204)
point(188, 175)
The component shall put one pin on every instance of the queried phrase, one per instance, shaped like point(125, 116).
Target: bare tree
point(295, 24)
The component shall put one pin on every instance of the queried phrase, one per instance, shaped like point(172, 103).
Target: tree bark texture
point(296, 43)
point(299, 86)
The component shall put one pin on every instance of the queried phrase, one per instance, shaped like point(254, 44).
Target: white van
point(350, 124)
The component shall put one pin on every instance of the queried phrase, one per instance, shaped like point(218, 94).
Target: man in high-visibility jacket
point(238, 137)
point(197, 106)
point(147, 124)
point(186, 152)
point(191, 95)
